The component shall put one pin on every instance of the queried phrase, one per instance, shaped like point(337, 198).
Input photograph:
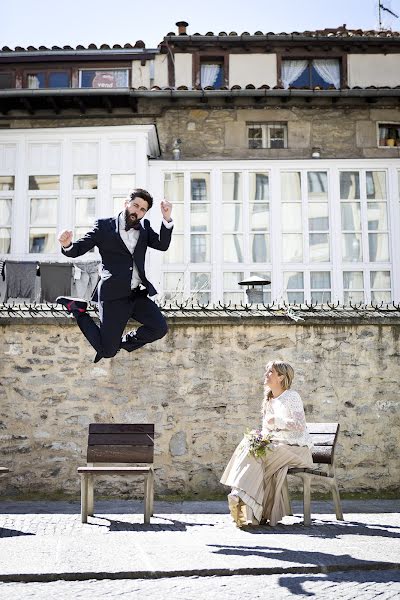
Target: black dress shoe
point(98, 357)
point(73, 305)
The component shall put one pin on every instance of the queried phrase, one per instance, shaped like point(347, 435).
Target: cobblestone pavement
point(193, 550)
point(365, 585)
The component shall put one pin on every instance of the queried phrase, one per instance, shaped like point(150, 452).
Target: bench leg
point(90, 496)
point(286, 498)
point(307, 498)
point(147, 506)
point(84, 497)
point(336, 500)
point(151, 492)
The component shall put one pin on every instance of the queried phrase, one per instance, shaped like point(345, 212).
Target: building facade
point(280, 152)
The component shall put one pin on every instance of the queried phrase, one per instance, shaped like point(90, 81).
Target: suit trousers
point(114, 315)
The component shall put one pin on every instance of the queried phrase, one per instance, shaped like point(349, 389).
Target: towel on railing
point(20, 279)
point(56, 280)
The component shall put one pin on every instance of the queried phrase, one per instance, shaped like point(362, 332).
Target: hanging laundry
point(86, 275)
point(20, 279)
point(56, 280)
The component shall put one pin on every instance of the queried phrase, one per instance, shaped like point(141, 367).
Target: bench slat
point(121, 428)
point(123, 454)
point(113, 470)
point(4, 470)
point(323, 439)
point(120, 439)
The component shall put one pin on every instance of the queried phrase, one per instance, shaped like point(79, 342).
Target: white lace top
point(284, 417)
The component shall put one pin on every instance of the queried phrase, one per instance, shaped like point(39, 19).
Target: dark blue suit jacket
point(117, 261)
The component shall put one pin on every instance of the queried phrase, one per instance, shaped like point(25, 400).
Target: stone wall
point(202, 387)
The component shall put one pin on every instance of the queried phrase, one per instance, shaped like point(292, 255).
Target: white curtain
point(33, 82)
point(291, 70)
point(209, 74)
point(329, 70)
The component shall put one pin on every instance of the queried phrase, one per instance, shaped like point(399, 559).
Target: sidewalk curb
point(119, 575)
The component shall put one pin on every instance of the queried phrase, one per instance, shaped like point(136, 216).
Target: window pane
point(318, 216)
point(255, 137)
point(178, 216)
point(199, 187)
point(377, 216)
point(378, 247)
point(321, 297)
point(349, 185)
point(291, 186)
point(58, 79)
point(199, 248)
point(319, 247)
point(199, 217)
point(233, 248)
point(85, 211)
point(80, 232)
point(44, 182)
point(351, 216)
point(231, 187)
point(353, 280)
point(260, 248)
point(376, 185)
point(259, 217)
point(118, 204)
point(317, 185)
point(291, 217)
point(354, 297)
point(175, 251)
point(5, 241)
point(233, 297)
point(116, 78)
point(276, 136)
point(231, 280)
point(293, 280)
point(380, 280)
point(85, 182)
point(200, 282)
point(320, 280)
point(174, 286)
point(351, 247)
point(232, 217)
point(43, 240)
point(35, 81)
point(173, 187)
point(259, 186)
point(295, 297)
point(211, 74)
point(6, 183)
point(292, 247)
point(6, 81)
point(43, 210)
point(122, 182)
point(381, 297)
point(5, 212)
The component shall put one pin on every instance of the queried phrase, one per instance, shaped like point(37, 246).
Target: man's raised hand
point(65, 238)
point(166, 209)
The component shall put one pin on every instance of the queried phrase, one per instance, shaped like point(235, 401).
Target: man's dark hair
point(139, 193)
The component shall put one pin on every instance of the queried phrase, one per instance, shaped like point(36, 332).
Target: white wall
point(257, 69)
point(373, 69)
point(183, 70)
point(140, 74)
point(161, 70)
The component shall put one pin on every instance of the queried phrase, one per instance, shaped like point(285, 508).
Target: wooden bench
point(117, 445)
point(324, 437)
point(4, 470)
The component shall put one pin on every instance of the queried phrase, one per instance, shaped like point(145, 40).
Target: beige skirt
point(259, 481)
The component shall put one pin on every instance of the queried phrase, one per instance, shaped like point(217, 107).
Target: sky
point(73, 22)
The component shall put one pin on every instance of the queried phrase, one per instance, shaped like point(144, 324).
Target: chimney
point(181, 25)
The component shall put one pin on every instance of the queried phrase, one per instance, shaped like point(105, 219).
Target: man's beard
point(130, 220)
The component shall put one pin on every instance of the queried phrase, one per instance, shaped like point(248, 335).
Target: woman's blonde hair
point(282, 368)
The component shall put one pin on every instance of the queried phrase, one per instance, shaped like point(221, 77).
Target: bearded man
point(123, 288)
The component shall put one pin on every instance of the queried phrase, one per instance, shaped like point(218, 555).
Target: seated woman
point(257, 483)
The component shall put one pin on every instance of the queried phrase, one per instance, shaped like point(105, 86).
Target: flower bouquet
point(257, 442)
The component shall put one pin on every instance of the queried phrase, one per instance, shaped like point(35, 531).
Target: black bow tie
point(137, 226)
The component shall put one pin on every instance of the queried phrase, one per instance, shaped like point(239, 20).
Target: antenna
point(381, 8)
